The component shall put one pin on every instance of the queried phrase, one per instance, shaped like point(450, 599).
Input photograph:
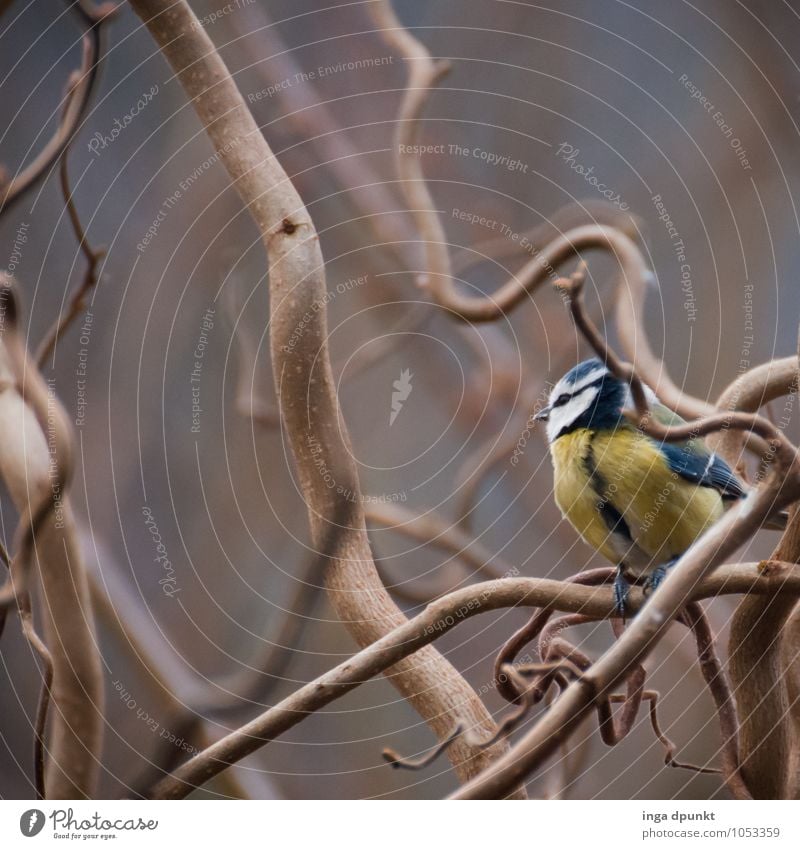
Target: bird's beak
point(543, 415)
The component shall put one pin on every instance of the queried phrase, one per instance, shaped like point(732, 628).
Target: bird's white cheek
point(564, 416)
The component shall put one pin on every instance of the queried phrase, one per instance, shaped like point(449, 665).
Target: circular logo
point(31, 822)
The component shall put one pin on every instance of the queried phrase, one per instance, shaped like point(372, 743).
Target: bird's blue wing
point(702, 468)
point(694, 462)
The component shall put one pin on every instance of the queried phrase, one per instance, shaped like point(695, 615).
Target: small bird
point(640, 502)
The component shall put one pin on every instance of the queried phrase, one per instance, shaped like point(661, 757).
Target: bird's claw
point(656, 577)
point(621, 591)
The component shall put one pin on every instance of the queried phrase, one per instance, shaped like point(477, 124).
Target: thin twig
point(717, 682)
point(76, 99)
point(93, 256)
point(396, 760)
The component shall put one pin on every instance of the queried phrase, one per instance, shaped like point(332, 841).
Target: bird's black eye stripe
point(563, 398)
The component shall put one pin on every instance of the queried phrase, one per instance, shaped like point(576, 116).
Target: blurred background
point(686, 115)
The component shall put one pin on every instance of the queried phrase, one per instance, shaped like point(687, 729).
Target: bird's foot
point(656, 577)
point(621, 591)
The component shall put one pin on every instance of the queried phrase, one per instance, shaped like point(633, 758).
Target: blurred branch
point(758, 671)
point(750, 391)
point(717, 682)
point(423, 74)
point(325, 142)
point(303, 377)
point(430, 529)
point(93, 256)
point(438, 278)
point(76, 100)
point(36, 464)
point(366, 192)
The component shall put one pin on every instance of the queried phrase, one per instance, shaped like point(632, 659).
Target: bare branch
point(438, 277)
point(717, 681)
point(305, 385)
point(757, 664)
point(370, 196)
point(93, 256)
point(423, 74)
point(35, 464)
point(437, 619)
point(76, 99)
point(748, 393)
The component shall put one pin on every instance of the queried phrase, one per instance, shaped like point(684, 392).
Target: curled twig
point(531, 630)
point(93, 256)
point(76, 99)
point(394, 759)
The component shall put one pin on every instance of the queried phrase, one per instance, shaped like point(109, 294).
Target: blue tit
point(641, 503)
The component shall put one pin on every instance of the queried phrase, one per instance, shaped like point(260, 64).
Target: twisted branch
point(436, 620)
point(76, 99)
point(303, 377)
point(36, 464)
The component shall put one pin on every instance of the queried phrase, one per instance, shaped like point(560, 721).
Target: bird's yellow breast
point(623, 469)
